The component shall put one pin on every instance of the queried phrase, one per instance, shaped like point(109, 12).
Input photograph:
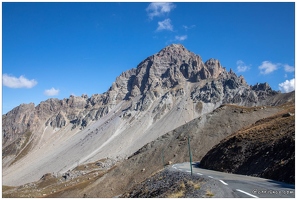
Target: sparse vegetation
point(209, 193)
point(5, 188)
point(196, 186)
point(182, 185)
point(177, 194)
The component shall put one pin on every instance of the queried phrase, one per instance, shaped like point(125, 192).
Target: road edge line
point(246, 193)
point(223, 182)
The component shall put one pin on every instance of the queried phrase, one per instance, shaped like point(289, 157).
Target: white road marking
point(180, 169)
point(223, 182)
point(199, 174)
point(246, 193)
point(210, 176)
point(188, 171)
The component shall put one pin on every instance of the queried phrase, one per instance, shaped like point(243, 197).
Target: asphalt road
point(243, 186)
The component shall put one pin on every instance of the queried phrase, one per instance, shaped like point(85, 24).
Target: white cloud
point(181, 38)
point(157, 9)
point(51, 92)
point(268, 67)
point(287, 86)
point(289, 68)
point(165, 25)
point(14, 82)
point(241, 66)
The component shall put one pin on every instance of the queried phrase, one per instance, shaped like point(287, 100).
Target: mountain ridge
point(165, 91)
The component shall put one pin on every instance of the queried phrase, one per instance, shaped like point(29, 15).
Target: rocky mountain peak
point(171, 66)
point(163, 92)
point(174, 49)
point(173, 54)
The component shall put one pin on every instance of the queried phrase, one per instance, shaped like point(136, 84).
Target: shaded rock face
point(57, 121)
point(167, 76)
point(18, 120)
point(265, 149)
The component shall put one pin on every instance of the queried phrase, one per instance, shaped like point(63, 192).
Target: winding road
point(243, 186)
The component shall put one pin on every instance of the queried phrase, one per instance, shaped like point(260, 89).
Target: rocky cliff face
point(165, 91)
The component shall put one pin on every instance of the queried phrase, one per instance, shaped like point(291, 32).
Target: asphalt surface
point(243, 186)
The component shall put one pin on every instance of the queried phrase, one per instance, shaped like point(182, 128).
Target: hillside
point(264, 149)
point(205, 132)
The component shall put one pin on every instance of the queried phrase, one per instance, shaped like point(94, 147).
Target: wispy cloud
point(287, 86)
point(289, 68)
point(268, 67)
point(165, 25)
point(188, 27)
point(181, 38)
point(51, 92)
point(157, 9)
point(241, 66)
point(14, 82)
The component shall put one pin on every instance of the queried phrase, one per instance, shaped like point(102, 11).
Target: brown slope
point(206, 131)
point(265, 149)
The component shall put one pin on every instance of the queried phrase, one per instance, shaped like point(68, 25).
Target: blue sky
point(54, 50)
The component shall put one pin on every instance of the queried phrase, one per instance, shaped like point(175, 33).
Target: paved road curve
point(243, 186)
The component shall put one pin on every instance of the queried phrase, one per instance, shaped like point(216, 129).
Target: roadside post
point(190, 154)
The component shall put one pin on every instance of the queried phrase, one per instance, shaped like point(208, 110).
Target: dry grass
point(196, 186)
point(209, 193)
point(180, 193)
point(5, 188)
point(76, 187)
point(177, 194)
point(183, 186)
